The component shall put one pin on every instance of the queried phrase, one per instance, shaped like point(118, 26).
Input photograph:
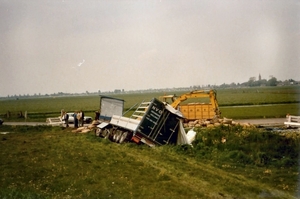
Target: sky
point(74, 46)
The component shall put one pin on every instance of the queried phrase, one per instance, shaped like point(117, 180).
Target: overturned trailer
point(152, 123)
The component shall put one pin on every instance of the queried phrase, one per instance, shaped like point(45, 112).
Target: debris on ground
point(214, 122)
point(86, 129)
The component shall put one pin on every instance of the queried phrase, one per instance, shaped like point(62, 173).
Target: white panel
point(124, 122)
point(110, 107)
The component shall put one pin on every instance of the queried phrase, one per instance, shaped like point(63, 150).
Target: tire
point(98, 132)
point(116, 136)
point(113, 134)
point(123, 137)
point(119, 135)
point(106, 133)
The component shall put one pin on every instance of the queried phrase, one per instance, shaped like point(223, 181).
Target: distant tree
point(224, 85)
point(292, 81)
point(272, 81)
point(263, 82)
point(232, 84)
point(251, 81)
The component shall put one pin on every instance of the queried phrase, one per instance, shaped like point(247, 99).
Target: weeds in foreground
point(250, 146)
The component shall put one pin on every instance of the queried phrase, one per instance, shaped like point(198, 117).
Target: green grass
point(284, 100)
point(259, 95)
point(260, 111)
point(53, 162)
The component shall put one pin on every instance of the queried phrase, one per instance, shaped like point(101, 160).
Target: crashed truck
point(152, 123)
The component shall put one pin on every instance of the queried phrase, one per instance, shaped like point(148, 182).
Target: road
point(25, 123)
point(33, 123)
point(266, 122)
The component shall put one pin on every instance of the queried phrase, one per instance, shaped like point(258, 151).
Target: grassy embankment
point(234, 103)
point(52, 162)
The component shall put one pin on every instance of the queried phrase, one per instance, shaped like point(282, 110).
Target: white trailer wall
point(110, 106)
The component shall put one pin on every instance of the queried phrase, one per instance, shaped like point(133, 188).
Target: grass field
point(52, 162)
point(233, 103)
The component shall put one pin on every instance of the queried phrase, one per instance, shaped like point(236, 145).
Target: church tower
point(259, 77)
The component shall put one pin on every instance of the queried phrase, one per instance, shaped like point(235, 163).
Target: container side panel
point(110, 107)
point(167, 131)
point(151, 117)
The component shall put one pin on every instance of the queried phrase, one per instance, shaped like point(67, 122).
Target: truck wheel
point(97, 132)
point(123, 137)
point(114, 138)
point(112, 134)
point(117, 136)
point(105, 133)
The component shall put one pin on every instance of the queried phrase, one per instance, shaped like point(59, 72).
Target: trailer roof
point(103, 96)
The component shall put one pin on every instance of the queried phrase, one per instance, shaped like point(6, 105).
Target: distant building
point(259, 77)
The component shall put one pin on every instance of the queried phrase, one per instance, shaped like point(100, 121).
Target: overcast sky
point(50, 46)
